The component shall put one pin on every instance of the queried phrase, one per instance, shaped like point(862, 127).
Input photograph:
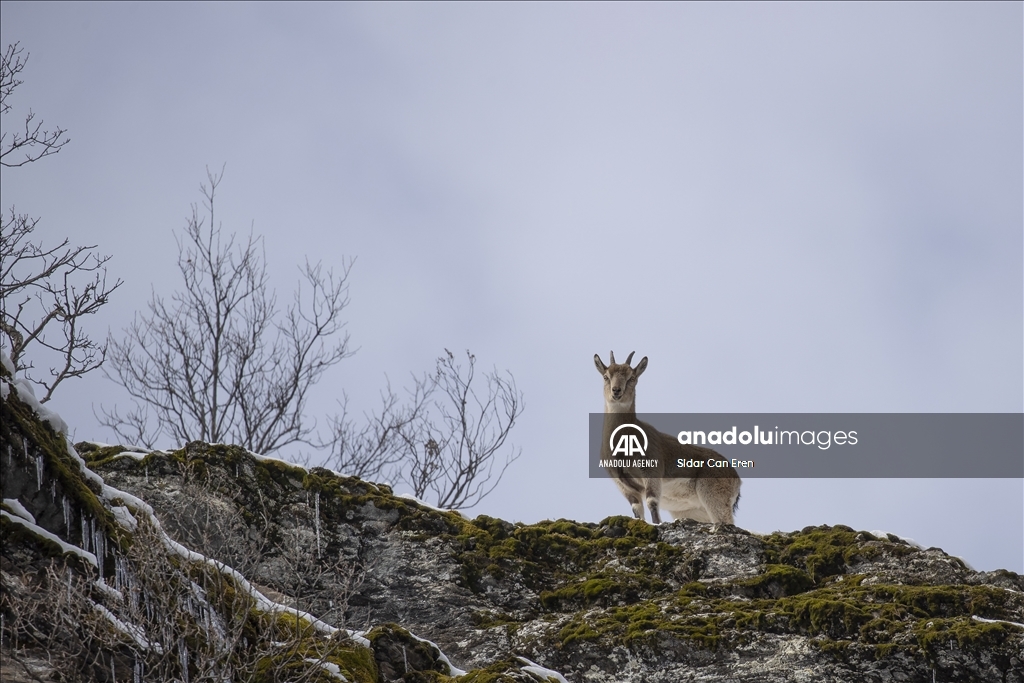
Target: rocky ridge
point(325, 577)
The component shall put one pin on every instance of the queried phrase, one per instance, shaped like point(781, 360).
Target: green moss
point(21, 424)
point(968, 633)
point(694, 588)
point(821, 551)
point(777, 580)
point(400, 654)
point(96, 455)
point(603, 588)
point(356, 663)
point(492, 618)
point(503, 671)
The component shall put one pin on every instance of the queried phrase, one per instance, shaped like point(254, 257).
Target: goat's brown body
point(708, 495)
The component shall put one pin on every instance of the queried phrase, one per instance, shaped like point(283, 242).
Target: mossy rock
point(401, 656)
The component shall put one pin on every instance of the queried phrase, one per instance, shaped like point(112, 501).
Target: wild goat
point(706, 495)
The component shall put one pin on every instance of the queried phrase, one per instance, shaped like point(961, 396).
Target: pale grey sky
point(786, 207)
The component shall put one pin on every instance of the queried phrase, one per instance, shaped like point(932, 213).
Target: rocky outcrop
point(417, 594)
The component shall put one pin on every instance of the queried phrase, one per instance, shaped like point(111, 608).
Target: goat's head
point(620, 382)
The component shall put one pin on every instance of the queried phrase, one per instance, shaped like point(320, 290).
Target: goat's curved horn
point(630, 357)
point(612, 356)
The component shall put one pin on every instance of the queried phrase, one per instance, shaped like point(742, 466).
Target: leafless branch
point(219, 362)
point(44, 292)
point(444, 441)
point(33, 143)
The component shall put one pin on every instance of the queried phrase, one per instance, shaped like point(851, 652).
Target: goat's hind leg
point(633, 494)
point(652, 493)
point(716, 495)
point(652, 505)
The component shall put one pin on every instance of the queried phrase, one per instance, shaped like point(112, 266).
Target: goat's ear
point(640, 367)
point(600, 365)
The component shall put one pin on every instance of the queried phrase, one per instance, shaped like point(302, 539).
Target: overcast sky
point(786, 207)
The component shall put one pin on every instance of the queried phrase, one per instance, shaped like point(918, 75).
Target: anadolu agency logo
point(628, 443)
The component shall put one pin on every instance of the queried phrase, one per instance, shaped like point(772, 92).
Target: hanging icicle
point(120, 574)
point(183, 657)
point(85, 533)
point(99, 546)
point(39, 471)
point(316, 522)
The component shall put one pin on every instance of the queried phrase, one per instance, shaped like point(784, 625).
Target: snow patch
point(124, 517)
point(27, 394)
point(137, 455)
point(452, 669)
point(409, 496)
point(131, 630)
point(43, 533)
point(885, 535)
point(17, 508)
point(102, 587)
point(330, 667)
point(540, 672)
point(996, 621)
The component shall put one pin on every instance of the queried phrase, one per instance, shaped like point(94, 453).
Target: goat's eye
point(632, 380)
point(606, 378)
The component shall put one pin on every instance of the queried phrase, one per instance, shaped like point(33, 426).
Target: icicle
point(53, 489)
point(39, 471)
point(137, 674)
point(119, 580)
point(183, 656)
point(316, 522)
point(99, 547)
point(67, 516)
point(147, 474)
point(85, 533)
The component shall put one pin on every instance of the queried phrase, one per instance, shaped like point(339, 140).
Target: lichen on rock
point(361, 583)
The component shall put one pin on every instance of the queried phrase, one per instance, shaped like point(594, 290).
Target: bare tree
point(45, 292)
point(33, 143)
point(445, 442)
point(375, 446)
point(219, 363)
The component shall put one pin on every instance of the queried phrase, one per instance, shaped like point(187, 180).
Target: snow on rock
point(131, 630)
point(329, 667)
point(542, 673)
point(409, 496)
point(17, 508)
point(124, 517)
point(996, 621)
point(43, 533)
